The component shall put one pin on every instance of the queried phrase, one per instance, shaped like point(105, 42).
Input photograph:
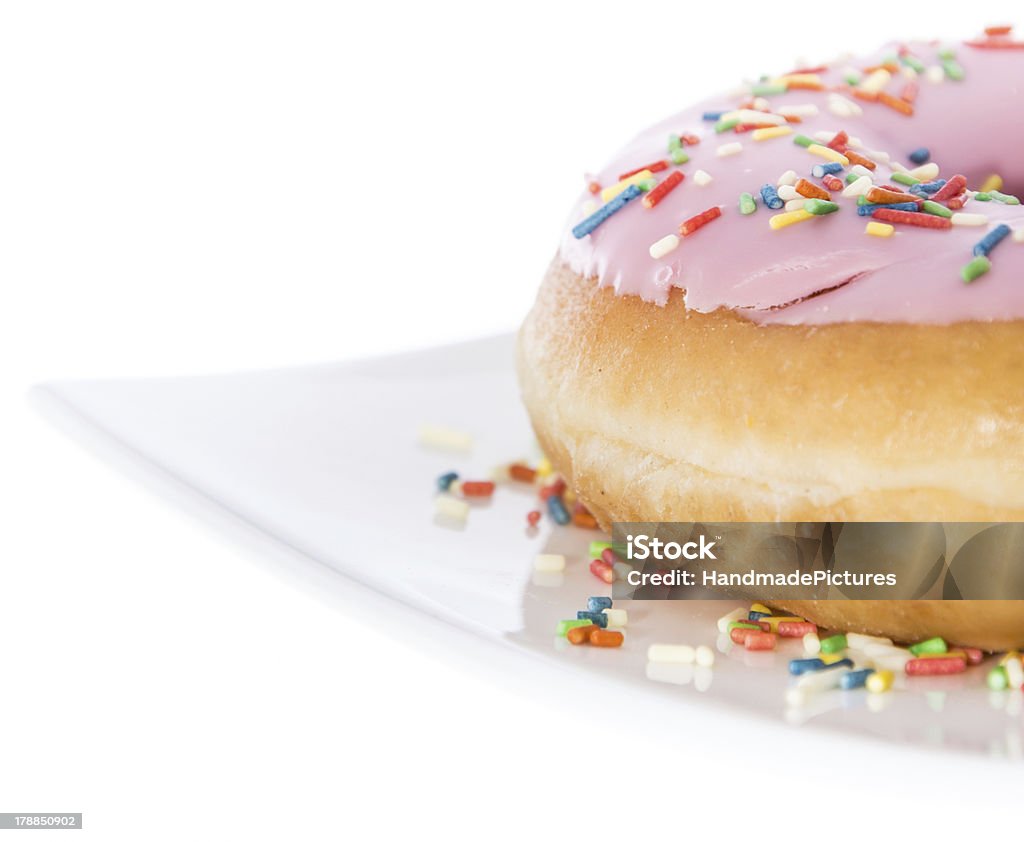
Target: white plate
point(324, 460)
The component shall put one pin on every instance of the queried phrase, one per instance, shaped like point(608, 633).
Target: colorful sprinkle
point(784, 220)
point(602, 214)
point(920, 220)
point(671, 181)
point(665, 245)
point(699, 221)
point(770, 197)
point(728, 149)
point(747, 204)
point(993, 238)
point(820, 207)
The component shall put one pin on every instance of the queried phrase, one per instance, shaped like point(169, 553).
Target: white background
point(198, 187)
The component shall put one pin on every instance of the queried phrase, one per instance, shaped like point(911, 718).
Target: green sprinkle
point(947, 53)
point(971, 272)
point(598, 547)
point(997, 679)
point(564, 625)
point(820, 207)
point(935, 209)
point(726, 125)
point(747, 204)
point(768, 90)
point(674, 142)
point(852, 79)
point(953, 70)
point(833, 644)
point(744, 625)
point(647, 184)
point(862, 200)
point(803, 140)
point(913, 62)
point(983, 197)
point(678, 156)
point(905, 178)
point(851, 177)
point(1005, 198)
point(931, 646)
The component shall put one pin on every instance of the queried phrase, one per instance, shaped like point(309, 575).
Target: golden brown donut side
point(658, 413)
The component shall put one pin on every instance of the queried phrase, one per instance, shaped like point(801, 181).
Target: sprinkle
point(665, 245)
point(821, 170)
point(705, 656)
point(859, 641)
point(451, 507)
point(801, 111)
point(935, 74)
point(602, 213)
point(747, 204)
point(905, 178)
point(859, 160)
point(670, 653)
point(557, 510)
point(839, 141)
point(770, 197)
point(879, 681)
point(875, 81)
point(477, 489)
point(787, 192)
point(896, 103)
point(533, 518)
point(1018, 235)
point(881, 196)
point(564, 626)
point(926, 172)
point(689, 139)
point(594, 187)
point(727, 149)
point(444, 482)
point(997, 679)
point(767, 89)
point(783, 220)
point(699, 221)
point(725, 125)
point(701, 178)
point(969, 219)
point(993, 238)
point(910, 91)
point(855, 679)
point(1005, 198)
point(931, 646)
point(749, 115)
point(712, 116)
point(832, 183)
point(444, 438)
point(581, 634)
point(803, 140)
point(678, 156)
point(674, 142)
point(794, 204)
point(1014, 673)
point(549, 563)
point(598, 618)
point(610, 193)
point(521, 473)
point(843, 107)
point(788, 178)
point(733, 616)
point(671, 181)
point(858, 187)
point(603, 570)
point(992, 182)
point(920, 220)
point(935, 666)
point(835, 643)
point(812, 643)
point(920, 155)
point(809, 190)
point(828, 154)
point(598, 603)
point(820, 207)
point(759, 641)
point(952, 70)
point(618, 618)
point(879, 229)
point(606, 639)
point(934, 208)
point(982, 197)
point(657, 166)
point(800, 630)
point(769, 133)
point(869, 209)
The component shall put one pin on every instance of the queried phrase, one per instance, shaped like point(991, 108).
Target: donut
point(804, 301)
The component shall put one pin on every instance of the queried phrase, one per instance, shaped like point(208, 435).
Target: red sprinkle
point(954, 187)
point(689, 139)
point(895, 103)
point(921, 220)
point(839, 141)
point(477, 489)
point(936, 666)
point(998, 30)
point(749, 127)
point(610, 557)
point(796, 629)
point(739, 636)
point(594, 187)
point(604, 571)
point(700, 220)
point(657, 166)
point(668, 184)
point(522, 473)
point(553, 489)
point(909, 92)
point(974, 656)
point(533, 518)
point(759, 641)
point(832, 183)
point(957, 202)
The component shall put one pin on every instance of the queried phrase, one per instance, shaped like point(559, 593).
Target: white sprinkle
point(671, 653)
point(451, 507)
point(821, 679)
point(701, 178)
point(787, 192)
point(825, 136)
point(970, 219)
point(733, 616)
point(843, 107)
point(861, 641)
point(879, 650)
point(854, 142)
point(444, 438)
point(809, 110)
point(761, 104)
point(727, 149)
point(859, 187)
point(795, 204)
point(812, 643)
point(617, 617)
point(908, 72)
point(1014, 673)
point(705, 656)
point(665, 245)
point(549, 563)
point(878, 156)
point(748, 115)
point(860, 171)
point(926, 172)
point(894, 662)
point(1018, 235)
point(876, 81)
point(935, 74)
point(787, 179)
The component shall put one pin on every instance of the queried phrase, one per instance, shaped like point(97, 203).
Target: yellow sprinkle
point(993, 182)
point(758, 608)
point(831, 657)
point(610, 193)
point(798, 78)
point(781, 220)
point(876, 81)
point(774, 131)
point(544, 467)
point(879, 229)
point(826, 153)
point(1013, 653)
point(880, 681)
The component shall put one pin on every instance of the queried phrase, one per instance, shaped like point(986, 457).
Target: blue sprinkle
point(557, 510)
point(798, 666)
point(713, 116)
point(596, 617)
point(770, 196)
point(831, 168)
point(598, 603)
point(444, 482)
point(992, 239)
point(855, 679)
point(754, 616)
point(868, 209)
point(920, 156)
point(928, 187)
point(603, 212)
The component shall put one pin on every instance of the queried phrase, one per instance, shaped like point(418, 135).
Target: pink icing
point(827, 269)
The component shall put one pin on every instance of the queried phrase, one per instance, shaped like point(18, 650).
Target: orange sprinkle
point(811, 191)
point(895, 103)
point(857, 158)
